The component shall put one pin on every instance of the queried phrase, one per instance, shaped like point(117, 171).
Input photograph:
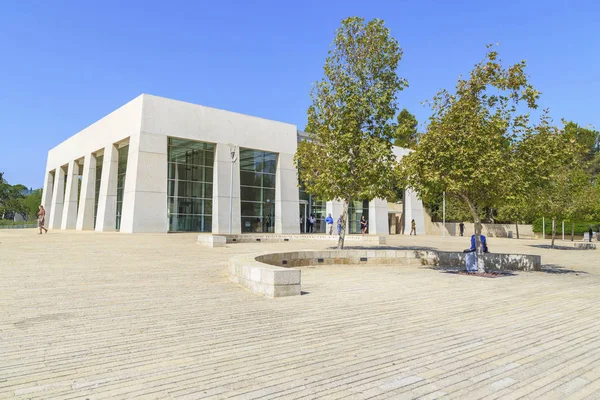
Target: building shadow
point(462, 271)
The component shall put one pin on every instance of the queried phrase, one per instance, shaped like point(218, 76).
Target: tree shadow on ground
point(461, 271)
point(558, 247)
point(557, 269)
point(421, 248)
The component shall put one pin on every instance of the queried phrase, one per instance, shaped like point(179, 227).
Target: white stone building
point(161, 165)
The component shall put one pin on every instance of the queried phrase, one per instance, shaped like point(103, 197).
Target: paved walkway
point(111, 316)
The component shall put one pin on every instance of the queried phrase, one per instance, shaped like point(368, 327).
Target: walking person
point(329, 222)
point(591, 232)
point(364, 224)
point(413, 227)
point(312, 220)
point(461, 226)
point(339, 225)
point(41, 219)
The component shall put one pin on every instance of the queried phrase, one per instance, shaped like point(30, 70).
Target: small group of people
point(364, 224)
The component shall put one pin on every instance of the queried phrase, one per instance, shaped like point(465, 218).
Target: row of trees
point(17, 200)
point(481, 144)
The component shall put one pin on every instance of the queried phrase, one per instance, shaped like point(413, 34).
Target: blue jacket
point(483, 243)
point(329, 220)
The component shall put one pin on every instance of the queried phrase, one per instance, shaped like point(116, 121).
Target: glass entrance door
point(303, 216)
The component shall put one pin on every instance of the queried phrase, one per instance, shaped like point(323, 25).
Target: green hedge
point(9, 222)
point(580, 227)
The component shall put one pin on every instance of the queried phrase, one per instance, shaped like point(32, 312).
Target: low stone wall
point(489, 230)
point(260, 278)
point(493, 261)
point(276, 238)
point(212, 240)
point(270, 274)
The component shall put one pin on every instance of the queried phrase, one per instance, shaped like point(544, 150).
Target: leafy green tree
point(348, 155)
point(406, 133)
point(468, 147)
point(587, 138)
point(456, 210)
point(5, 189)
point(566, 197)
point(553, 176)
point(31, 203)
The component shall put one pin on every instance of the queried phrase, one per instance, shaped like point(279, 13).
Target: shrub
point(580, 227)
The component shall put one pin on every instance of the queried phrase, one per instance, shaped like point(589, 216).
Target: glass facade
point(257, 190)
point(99, 161)
point(316, 207)
point(356, 210)
point(189, 185)
point(121, 170)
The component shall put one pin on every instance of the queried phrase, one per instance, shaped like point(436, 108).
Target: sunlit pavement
point(117, 316)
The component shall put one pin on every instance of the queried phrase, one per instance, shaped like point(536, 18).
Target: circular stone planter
point(273, 275)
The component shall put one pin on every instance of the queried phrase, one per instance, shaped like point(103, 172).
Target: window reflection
point(189, 185)
point(257, 190)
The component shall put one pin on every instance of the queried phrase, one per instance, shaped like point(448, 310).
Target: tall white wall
point(287, 218)
point(145, 191)
point(57, 198)
point(413, 209)
point(47, 194)
point(106, 217)
point(113, 128)
point(221, 191)
point(69, 215)
point(378, 217)
point(85, 216)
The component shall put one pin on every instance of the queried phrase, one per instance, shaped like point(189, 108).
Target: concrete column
point(69, 214)
point(85, 216)
point(145, 192)
point(287, 219)
point(106, 218)
point(378, 217)
point(47, 194)
point(57, 199)
point(221, 188)
point(413, 209)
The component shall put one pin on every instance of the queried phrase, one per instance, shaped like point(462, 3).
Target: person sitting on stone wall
point(483, 243)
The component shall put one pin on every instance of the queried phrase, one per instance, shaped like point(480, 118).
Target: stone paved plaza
point(117, 316)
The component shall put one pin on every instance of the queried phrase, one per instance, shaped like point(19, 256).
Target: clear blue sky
point(66, 64)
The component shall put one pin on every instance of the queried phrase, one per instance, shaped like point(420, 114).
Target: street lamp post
point(232, 152)
point(444, 214)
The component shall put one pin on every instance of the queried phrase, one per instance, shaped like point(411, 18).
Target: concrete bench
point(260, 278)
point(212, 240)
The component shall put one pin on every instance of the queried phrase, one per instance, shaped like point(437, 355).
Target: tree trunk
point(344, 223)
point(478, 246)
point(572, 231)
point(517, 227)
point(553, 231)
